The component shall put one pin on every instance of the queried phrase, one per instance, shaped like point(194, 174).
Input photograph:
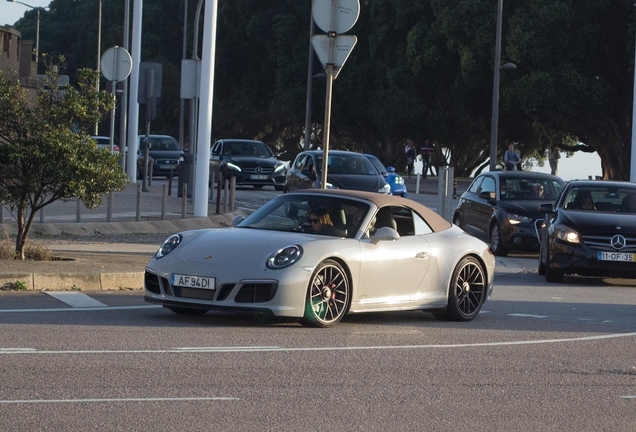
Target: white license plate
point(615, 256)
point(169, 167)
point(192, 281)
point(259, 176)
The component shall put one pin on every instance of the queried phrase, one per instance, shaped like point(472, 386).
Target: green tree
point(45, 155)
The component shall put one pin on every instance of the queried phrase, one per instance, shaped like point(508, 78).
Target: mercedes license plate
point(192, 281)
point(615, 256)
point(258, 176)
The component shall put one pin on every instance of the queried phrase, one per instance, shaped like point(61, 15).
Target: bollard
point(232, 192)
point(164, 194)
point(226, 191)
point(218, 196)
point(184, 200)
point(111, 197)
point(417, 184)
point(78, 211)
point(444, 192)
point(138, 215)
point(1, 213)
point(42, 214)
point(212, 180)
point(170, 183)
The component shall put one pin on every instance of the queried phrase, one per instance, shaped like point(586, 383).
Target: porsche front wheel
point(467, 291)
point(328, 295)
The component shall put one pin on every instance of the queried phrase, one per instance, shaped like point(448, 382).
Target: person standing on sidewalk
point(553, 158)
point(409, 153)
point(426, 152)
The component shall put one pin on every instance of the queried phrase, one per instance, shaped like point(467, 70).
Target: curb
point(73, 281)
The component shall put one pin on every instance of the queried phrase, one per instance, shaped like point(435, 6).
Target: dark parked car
point(345, 170)
point(502, 207)
point(165, 152)
point(590, 231)
point(251, 162)
point(396, 181)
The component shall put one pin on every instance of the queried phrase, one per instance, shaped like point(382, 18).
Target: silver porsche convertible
point(317, 255)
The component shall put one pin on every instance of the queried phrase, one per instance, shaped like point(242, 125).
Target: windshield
point(378, 165)
point(601, 198)
point(247, 148)
point(523, 189)
point(339, 217)
point(160, 144)
point(353, 163)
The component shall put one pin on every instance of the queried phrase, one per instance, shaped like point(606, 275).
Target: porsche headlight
point(169, 245)
point(233, 167)
point(386, 189)
point(517, 219)
point(399, 180)
point(566, 234)
point(284, 257)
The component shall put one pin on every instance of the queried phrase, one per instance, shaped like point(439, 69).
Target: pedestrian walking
point(512, 159)
point(409, 154)
point(553, 158)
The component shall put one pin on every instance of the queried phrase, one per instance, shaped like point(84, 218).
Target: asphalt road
point(539, 357)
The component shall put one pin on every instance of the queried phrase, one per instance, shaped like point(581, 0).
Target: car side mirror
point(390, 169)
point(546, 208)
point(490, 196)
point(385, 234)
point(237, 220)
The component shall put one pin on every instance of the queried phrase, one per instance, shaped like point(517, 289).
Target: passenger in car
point(583, 201)
point(629, 203)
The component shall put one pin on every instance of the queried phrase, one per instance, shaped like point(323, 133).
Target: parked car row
point(584, 227)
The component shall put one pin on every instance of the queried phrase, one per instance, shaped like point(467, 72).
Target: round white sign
point(116, 64)
point(345, 14)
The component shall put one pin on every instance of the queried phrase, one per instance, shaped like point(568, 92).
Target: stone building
point(16, 57)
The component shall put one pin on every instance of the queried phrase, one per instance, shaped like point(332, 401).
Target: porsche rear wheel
point(328, 295)
point(467, 291)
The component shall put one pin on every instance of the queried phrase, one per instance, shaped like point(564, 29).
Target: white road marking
point(35, 401)
point(628, 397)
point(14, 350)
point(75, 299)
point(210, 349)
point(528, 315)
point(108, 308)
point(309, 349)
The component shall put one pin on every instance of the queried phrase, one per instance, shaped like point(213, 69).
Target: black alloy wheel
point(328, 295)
point(467, 291)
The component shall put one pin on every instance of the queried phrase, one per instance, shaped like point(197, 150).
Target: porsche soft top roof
point(436, 222)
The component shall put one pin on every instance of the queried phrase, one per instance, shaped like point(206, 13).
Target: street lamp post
point(99, 49)
point(494, 124)
point(37, 30)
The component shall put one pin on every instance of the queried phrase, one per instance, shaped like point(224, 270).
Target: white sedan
point(374, 253)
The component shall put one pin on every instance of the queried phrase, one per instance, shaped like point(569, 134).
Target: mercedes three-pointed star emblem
point(618, 242)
